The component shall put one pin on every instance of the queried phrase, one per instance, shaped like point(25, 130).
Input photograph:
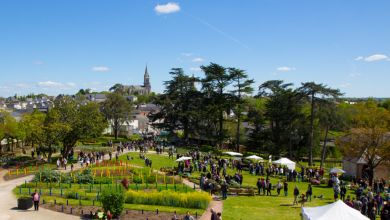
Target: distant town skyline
point(59, 47)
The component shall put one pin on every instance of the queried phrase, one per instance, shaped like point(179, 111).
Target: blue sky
point(61, 46)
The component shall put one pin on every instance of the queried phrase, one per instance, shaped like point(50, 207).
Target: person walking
point(188, 217)
point(343, 192)
point(259, 186)
point(278, 187)
point(296, 194)
point(269, 187)
point(35, 198)
point(224, 189)
point(285, 188)
point(309, 192)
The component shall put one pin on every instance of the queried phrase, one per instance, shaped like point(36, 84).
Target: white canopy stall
point(285, 162)
point(183, 159)
point(254, 157)
point(335, 211)
point(233, 154)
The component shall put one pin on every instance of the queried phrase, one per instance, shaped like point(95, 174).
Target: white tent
point(335, 211)
point(233, 154)
point(336, 170)
point(285, 162)
point(254, 157)
point(183, 159)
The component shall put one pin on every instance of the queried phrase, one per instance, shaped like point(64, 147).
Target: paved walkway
point(8, 201)
point(8, 204)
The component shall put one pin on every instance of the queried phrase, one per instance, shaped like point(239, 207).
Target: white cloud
point(195, 69)
point(170, 7)
point(49, 84)
point(197, 60)
point(70, 84)
point(373, 58)
point(56, 85)
point(100, 69)
point(22, 85)
point(285, 69)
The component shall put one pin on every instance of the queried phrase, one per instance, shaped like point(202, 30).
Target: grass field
point(257, 207)
point(273, 207)
point(158, 161)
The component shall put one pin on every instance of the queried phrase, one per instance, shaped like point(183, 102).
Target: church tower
point(147, 85)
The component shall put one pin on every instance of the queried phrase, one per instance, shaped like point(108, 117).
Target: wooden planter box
point(25, 203)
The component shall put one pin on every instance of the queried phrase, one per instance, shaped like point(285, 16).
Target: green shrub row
point(198, 200)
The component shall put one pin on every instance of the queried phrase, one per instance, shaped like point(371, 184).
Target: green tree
point(215, 89)
point(54, 131)
point(242, 86)
point(32, 125)
point(284, 114)
point(113, 200)
point(117, 110)
point(84, 121)
point(9, 128)
point(369, 136)
point(256, 118)
point(118, 88)
point(315, 92)
point(178, 105)
point(329, 119)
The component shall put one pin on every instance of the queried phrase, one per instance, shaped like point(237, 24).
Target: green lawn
point(258, 207)
point(158, 160)
point(273, 207)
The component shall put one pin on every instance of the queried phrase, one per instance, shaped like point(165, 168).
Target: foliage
point(169, 198)
point(117, 110)
point(47, 176)
point(312, 90)
point(283, 112)
point(135, 137)
point(369, 135)
point(113, 200)
point(85, 176)
point(242, 86)
point(178, 107)
point(137, 180)
point(32, 126)
point(83, 121)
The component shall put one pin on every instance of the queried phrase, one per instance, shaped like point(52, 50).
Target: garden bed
point(85, 212)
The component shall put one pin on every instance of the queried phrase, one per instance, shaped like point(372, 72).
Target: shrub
point(71, 195)
point(113, 200)
point(85, 176)
point(137, 179)
point(198, 200)
point(47, 176)
point(151, 179)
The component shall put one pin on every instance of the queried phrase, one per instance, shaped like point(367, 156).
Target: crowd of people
point(369, 200)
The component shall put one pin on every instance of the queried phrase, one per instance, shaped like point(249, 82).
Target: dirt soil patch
point(85, 212)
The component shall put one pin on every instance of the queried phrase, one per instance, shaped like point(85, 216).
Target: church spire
point(146, 71)
point(147, 80)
